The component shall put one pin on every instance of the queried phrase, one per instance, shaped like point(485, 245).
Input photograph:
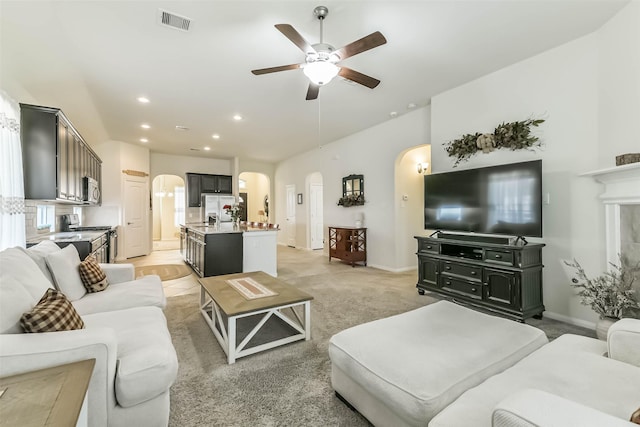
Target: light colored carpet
point(165, 271)
point(289, 385)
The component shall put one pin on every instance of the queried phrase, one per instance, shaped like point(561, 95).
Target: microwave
point(91, 190)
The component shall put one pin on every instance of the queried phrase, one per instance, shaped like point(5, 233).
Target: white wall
point(567, 87)
point(619, 85)
point(179, 165)
point(372, 153)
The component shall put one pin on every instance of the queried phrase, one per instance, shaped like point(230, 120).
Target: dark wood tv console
point(499, 278)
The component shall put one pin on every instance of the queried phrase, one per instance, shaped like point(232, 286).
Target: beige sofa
point(125, 331)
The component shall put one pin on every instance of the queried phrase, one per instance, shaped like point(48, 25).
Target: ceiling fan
point(321, 58)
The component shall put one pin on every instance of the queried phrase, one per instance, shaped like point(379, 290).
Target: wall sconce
point(422, 167)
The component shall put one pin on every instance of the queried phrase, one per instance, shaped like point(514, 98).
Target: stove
point(70, 224)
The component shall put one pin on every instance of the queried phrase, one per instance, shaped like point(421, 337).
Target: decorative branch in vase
point(351, 200)
point(611, 294)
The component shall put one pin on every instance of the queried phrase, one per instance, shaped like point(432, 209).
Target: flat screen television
point(505, 199)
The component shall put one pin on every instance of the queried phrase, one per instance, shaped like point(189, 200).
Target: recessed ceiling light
point(143, 100)
point(145, 126)
point(237, 117)
point(207, 148)
point(215, 136)
point(393, 114)
point(411, 106)
point(145, 140)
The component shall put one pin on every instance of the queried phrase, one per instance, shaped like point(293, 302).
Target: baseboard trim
point(392, 270)
point(570, 320)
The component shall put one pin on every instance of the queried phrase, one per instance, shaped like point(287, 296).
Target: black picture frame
point(299, 198)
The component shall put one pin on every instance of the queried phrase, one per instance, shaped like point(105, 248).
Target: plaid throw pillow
point(53, 313)
point(92, 276)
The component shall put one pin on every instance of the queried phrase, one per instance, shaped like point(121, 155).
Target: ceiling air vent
point(174, 21)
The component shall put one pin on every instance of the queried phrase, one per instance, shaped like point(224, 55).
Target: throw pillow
point(64, 269)
point(93, 277)
point(635, 417)
point(39, 253)
point(53, 313)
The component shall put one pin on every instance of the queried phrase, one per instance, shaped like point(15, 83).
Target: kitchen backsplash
point(31, 208)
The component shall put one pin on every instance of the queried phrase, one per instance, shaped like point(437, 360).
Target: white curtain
point(12, 220)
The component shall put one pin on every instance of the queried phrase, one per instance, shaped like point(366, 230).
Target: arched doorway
point(168, 204)
point(254, 196)
point(409, 191)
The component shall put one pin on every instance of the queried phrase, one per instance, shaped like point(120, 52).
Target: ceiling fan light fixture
point(321, 72)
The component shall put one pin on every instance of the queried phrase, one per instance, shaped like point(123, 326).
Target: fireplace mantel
point(622, 183)
point(622, 187)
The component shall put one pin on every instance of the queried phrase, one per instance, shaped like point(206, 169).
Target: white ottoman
point(403, 370)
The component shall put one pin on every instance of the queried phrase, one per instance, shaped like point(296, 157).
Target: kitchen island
point(227, 249)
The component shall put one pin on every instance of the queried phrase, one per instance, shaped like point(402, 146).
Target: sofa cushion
point(64, 269)
point(532, 408)
point(572, 367)
point(53, 313)
point(22, 284)
point(92, 276)
point(146, 291)
point(420, 361)
point(147, 361)
point(39, 253)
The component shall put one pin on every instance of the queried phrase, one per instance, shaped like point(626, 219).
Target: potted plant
point(611, 294)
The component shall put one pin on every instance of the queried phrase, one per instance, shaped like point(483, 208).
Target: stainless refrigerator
point(212, 206)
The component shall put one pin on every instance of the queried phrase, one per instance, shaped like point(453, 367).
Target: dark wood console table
point(348, 244)
point(502, 279)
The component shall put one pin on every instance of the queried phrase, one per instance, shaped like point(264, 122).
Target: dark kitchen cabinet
point(193, 190)
point(55, 156)
point(198, 183)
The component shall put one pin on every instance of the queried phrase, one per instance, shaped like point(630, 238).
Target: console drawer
point(428, 247)
point(502, 257)
point(463, 287)
point(470, 271)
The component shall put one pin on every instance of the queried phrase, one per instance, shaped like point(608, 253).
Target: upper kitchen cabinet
point(203, 183)
point(56, 160)
point(216, 184)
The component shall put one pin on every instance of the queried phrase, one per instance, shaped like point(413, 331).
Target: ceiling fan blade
point(291, 33)
point(312, 92)
point(276, 69)
point(357, 77)
point(368, 42)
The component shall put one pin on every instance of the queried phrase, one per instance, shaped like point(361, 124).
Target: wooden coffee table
point(237, 322)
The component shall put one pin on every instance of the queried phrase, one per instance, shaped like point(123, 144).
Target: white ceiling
point(94, 58)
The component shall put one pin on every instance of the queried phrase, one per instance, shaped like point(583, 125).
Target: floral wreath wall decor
point(514, 136)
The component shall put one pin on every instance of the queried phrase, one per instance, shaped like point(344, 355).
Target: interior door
point(291, 215)
point(135, 227)
point(315, 216)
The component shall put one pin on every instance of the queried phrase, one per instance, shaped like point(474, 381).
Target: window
point(45, 217)
point(178, 217)
point(78, 211)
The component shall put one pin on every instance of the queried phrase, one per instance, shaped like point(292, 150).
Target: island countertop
point(226, 227)
point(230, 248)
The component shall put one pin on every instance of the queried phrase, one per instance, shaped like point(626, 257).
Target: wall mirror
point(353, 185)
